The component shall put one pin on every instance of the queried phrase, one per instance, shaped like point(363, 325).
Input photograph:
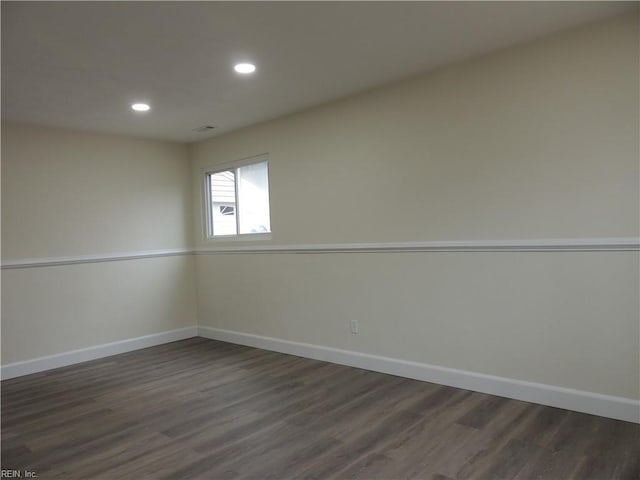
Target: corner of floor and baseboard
point(619, 408)
point(49, 362)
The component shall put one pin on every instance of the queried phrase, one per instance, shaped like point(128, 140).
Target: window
point(238, 199)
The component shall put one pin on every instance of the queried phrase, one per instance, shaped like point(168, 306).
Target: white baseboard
point(49, 362)
point(581, 401)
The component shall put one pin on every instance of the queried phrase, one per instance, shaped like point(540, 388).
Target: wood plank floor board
point(141, 460)
point(203, 409)
point(551, 465)
point(335, 389)
point(436, 433)
point(284, 458)
point(373, 466)
point(233, 450)
point(485, 412)
point(501, 459)
point(89, 466)
point(441, 447)
point(86, 444)
point(75, 428)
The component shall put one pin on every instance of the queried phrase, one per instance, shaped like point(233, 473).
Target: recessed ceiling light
point(140, 107)
point(245, 68)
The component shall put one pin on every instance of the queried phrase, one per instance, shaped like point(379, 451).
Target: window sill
point(243, 237)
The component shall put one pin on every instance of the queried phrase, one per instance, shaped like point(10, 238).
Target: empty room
point(324, 240)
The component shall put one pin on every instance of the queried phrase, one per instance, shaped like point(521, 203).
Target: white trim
point(242, 162)
point(72, 357)
point(208, 214)
point(105, 257)
point(538, 245)
point(241, 237)
point(623, 244)
point(581, 401)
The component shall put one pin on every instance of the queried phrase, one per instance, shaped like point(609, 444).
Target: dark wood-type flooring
point(212, 410)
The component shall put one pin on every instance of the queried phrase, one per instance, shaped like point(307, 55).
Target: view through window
point(239, 200)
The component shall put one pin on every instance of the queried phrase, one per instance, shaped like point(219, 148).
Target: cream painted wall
point(71, 193)
point(564, 319)
point(52, 310)
point(68, 194)
point(535, 142)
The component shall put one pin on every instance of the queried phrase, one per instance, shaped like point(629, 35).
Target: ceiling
point(80, 65)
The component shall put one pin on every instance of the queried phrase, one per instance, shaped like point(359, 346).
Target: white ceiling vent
point(203, 128)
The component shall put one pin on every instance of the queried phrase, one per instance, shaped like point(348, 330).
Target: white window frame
point(208, 213)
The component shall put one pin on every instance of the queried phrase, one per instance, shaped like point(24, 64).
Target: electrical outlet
point(354, 326)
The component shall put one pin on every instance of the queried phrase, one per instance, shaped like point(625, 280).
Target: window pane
point(223, 203)
point(253, 195)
